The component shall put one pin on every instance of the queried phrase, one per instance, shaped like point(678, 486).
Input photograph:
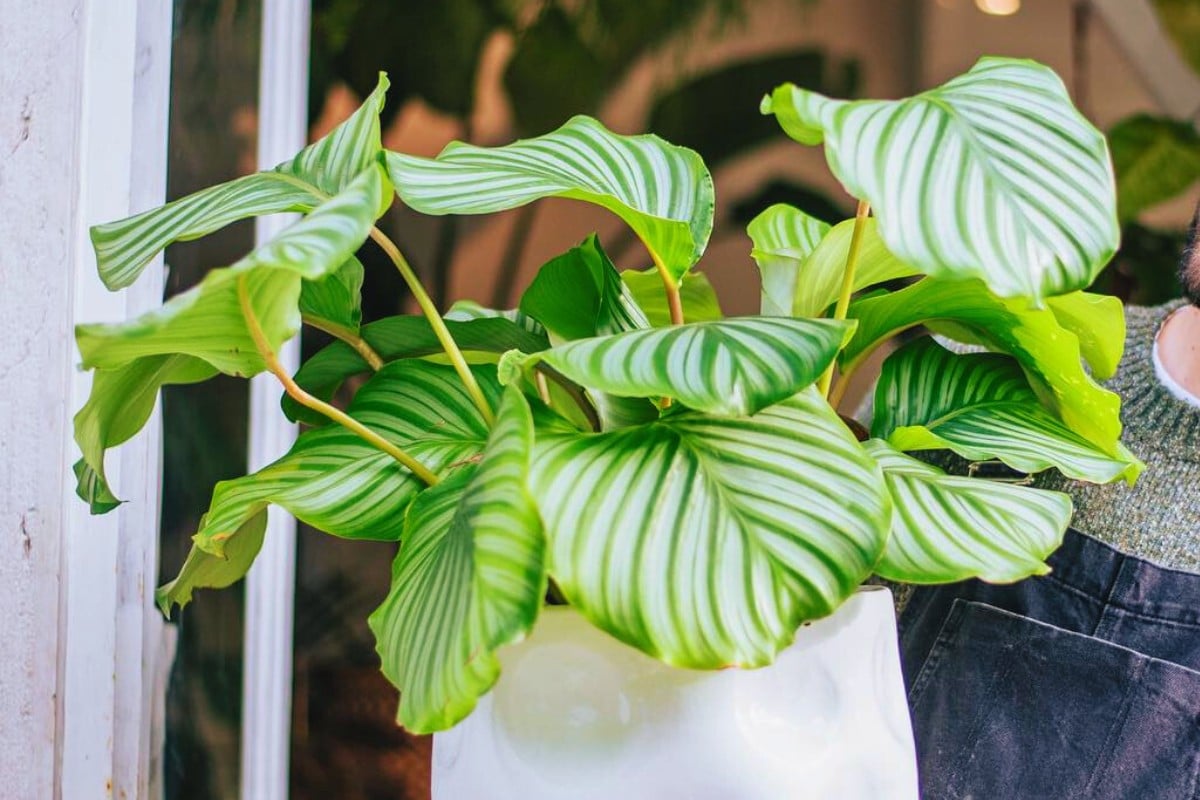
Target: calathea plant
point(680, 478)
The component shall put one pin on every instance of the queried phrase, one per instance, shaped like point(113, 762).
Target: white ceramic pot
point(577, 715)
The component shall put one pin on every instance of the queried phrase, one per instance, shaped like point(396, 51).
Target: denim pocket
point(1008, 707)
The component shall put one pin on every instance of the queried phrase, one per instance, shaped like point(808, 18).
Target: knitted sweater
point(1158, 519)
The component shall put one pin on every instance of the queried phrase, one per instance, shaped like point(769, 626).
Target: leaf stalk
point(373, 359)
point(436, 322)
point(325, 409)
point(848, 275)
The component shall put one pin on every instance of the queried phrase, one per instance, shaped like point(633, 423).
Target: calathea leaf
point(207, 321)
point(980, 405)
point(993, 175)
point(334, 303)
point(732, 367)
point(1098, 320)
point(203, 570)
point(318, 172)
point(663, 192)
point(338, 483)
point(469, 578)
point(783, 238)
point(947, 528)
point(1048, 353)
point(119, 404)
point(705, 541)
point(401, 337)
point(696, 295)
point(467, 310)
point(578, 295)
point(803, 260)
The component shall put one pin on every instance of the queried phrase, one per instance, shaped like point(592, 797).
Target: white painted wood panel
point(108, 635)
point(41, 58)
point(76, 589)
point(270, 586)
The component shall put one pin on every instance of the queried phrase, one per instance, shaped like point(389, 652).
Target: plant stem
point(307, 400)
point(671, 288)
point(344, 334)
point(436, 322)
point(542, 386)
point(674, 301)
point(843, 302)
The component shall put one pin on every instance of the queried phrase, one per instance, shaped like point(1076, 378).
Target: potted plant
point(675, 479)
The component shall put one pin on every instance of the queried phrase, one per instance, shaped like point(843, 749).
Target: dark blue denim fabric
point(1084, 683)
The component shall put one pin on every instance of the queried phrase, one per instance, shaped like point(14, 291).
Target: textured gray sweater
point(1159, 518)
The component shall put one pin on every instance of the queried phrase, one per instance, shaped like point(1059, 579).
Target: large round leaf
point(705, 541)
point(993, 175)
point(947, 528)
point(734, 366)
point(662, 191)
point(980, 405)
point(469, 578)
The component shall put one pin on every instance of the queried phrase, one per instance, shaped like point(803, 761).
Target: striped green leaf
point(318, 172)
point(803, 260)
point(1049, 353)
point(784, 237)
point(400, 337)
point(663, 192)
point(467, 310)
point(993, 175)
point(207, 322)
point(732, 367)
point(338, 483)
point(469, 578)
point(706, 541)
point(334, 303)
point(1097, 320)
point(119, 404)
point(580, 294)
point(203, 570)
point(981, 406)
point(696, 295)
point(947, 528)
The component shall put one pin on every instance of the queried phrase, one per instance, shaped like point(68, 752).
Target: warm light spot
point(1000, 8)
